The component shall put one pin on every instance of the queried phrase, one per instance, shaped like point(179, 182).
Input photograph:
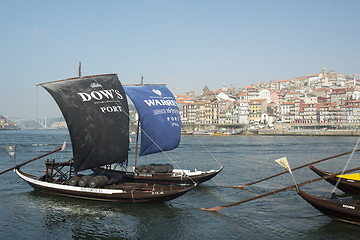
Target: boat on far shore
point(184, 132)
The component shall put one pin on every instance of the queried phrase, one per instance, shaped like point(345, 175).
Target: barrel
point(168, 168)
point(73, 181)
point(98, 181)
point(114, 180)
point(147, 169)
point(84, 181)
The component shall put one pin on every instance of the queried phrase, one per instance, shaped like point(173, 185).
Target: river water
point(27, 214)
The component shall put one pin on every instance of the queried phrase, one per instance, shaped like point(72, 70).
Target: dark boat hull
point(338, 209)
point(345, 185)
point(122, 192)
point(165, 178)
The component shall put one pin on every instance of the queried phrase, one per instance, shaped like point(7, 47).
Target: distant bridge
point(42, 122)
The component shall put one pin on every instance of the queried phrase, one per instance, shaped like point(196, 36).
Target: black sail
point(96, 112)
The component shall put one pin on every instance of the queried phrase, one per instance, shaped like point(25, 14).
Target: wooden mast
point(79, 69)
point(137, 130)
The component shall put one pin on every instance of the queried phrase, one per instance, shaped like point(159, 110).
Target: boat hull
point(177, 177)
point(122, 192)
point(338, 209)
point(345, 185)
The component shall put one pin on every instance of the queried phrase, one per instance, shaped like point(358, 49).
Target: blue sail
point(159, 117)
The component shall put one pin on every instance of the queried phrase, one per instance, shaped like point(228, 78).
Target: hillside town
point(6, 124)
point(327, 98)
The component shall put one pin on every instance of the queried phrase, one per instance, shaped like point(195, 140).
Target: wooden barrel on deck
point(98, 181)
point(74, 180)
point(84, 181)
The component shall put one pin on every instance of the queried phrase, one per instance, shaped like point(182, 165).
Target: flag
point(283, 162)
point(11, 150)
point(63, 146)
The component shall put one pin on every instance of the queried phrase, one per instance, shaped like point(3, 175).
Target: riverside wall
point(286, 129)
point(308, 132)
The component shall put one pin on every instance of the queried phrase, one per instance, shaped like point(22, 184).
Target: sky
point(185, 44)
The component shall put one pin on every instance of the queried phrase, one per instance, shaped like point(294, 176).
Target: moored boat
point(115, 192)
point(183, 132)
point(348, 183)
point(176, 176)
point(342, 209)
point(96, 112)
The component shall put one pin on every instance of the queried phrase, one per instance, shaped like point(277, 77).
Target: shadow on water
point(86, 219)
point(330, 230)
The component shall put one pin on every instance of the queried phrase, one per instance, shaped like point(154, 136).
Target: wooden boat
point(159, 118)
point(176, 176)
point(349, 183)
point(341, 209)
point(187, 132)
point(344, 209)
point(97, 115)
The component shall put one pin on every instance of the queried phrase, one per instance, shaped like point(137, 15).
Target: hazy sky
point(184, 44)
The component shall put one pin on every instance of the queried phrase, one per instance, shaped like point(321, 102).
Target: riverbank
point(304, 132)
point(281, 129)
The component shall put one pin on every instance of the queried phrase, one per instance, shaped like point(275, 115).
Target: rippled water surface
point(27, 214)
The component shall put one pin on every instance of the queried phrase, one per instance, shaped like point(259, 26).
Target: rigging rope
point(161, 150)
point(212, 155)
point(346, 165)
point(149, 137)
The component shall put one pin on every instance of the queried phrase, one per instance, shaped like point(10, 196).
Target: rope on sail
point(346, 165)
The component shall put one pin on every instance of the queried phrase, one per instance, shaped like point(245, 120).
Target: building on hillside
point(335, 114)
point(350, 112)
point(224, 97)
point(309, 112)
point(243, 109)
point(256, 108)
point(285, 111)
point(283, 84)
point(310, 98)
point(214, 111)
point(242, 97)
point(265, 94)
point(252, 94)
point(275, 97)
point(225, 111)
point(338, 96)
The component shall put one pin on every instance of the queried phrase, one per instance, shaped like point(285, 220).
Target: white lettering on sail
point(111, 109)
point(100, 95)
point(152, 102)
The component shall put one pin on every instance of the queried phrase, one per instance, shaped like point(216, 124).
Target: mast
point(79, 69)
point(137, 130)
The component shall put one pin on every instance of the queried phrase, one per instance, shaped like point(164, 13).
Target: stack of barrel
point(155, 168)
point(94, 180)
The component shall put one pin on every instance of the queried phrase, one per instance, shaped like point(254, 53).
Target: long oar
point(22, 164)
point(293, 169)
point(277, 191)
